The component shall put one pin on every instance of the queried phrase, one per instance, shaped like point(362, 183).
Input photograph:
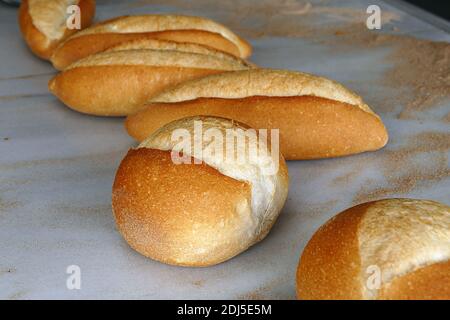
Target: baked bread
point(43, 22)
point(387, 249)
point(118, 83)
point(197, 214)
point(164, 27)
point(317, 117)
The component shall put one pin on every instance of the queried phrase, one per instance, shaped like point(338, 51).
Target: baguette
point(317, 117)
point(192, 214)
point(43, 23)
point(163, 27)
point(387, 249)
point(118, 83)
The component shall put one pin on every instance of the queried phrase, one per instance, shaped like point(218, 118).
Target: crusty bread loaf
point(43, 22)
point(317, 117)
point(165, 27)
point(196, 214)
point(118, 83)
point(387, 249)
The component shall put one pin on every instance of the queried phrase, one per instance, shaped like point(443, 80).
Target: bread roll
point(164, 27)
point(118, 83)
point(197, 214)
point(317, 117)
point(387, 249)
point(43, 22)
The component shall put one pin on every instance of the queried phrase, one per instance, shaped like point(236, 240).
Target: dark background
point(438, 7)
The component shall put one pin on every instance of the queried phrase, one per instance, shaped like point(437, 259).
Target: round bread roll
point(387, 249)
point(43, 22)
point(198, 213)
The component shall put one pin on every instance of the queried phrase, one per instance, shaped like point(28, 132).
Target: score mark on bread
point(155, 44)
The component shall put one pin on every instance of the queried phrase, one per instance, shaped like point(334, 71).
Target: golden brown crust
point(329, 267)
point(87, 9)
point(268, 176)
point(103, 36)
point(117, 90)
point(158, 207)
point(428, 283)
point(386, 249)
point(39, 43)
point(36, 41)
point(310, 127)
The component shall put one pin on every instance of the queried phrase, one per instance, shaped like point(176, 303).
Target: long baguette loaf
point(387, 249)
point(197, 214)
point(118, 83)
point(176, 28)
point(317, 117)
point(43, 22)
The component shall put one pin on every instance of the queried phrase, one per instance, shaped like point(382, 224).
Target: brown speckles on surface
point(346, 178)
point(198, 283)
point(447, 117)
point(419, 69)
point(265, 292)
point(424, 68)
point(345, 14)
point(274, 18)
point(315, 210)
point(7, 205)
point(84, 210)
point(257, 294)
point(432, 141)
point(404, 170)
